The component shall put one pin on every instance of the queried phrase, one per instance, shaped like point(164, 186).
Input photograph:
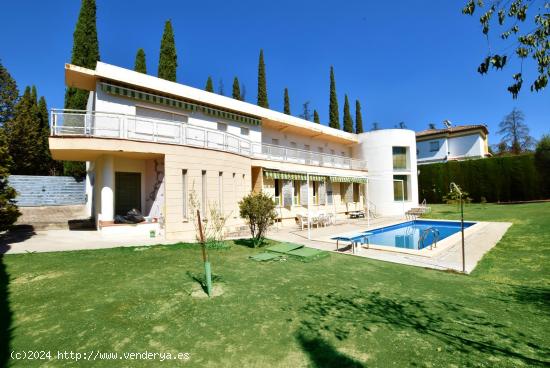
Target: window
point(434, 146)
point(356, 192)
point(293, 144)
point(399, 157)
point(307, 147)
point(275, 141)
point(278, 197)
point(332, 152)
point(315, 186)
point(245, 131)
point(184, 191)
point(296, 196)
point(204, 196)
point(220, 191)
point(222, 127)
point(400, 187)
point(159, 114)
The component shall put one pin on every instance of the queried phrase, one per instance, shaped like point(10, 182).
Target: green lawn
point(335, 312)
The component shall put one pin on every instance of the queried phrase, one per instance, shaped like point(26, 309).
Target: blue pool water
point(407, 234)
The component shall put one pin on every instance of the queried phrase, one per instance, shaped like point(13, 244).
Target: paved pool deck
point(444, 257)
point(447, 256)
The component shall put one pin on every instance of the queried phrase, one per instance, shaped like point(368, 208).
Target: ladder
point(425, 233)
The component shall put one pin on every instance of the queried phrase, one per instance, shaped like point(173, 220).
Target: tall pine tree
point(316, 117)
point(358, 118)
point(8, 208)
point(8, 95)
point(86, 54)
point(236, 93)
point(23, 137)
point(49, 166)
point(209, 85)
point(287, 103)
point(348, 122)
point(334, 115)
point(168, 59)
point(140, 65)
point(262, 84)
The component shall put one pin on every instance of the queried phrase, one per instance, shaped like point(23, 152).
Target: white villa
point(150, 143)
point(459, 142)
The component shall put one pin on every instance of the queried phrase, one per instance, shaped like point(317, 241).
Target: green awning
point(178, 104)
point(292, 176)
point(348, 179)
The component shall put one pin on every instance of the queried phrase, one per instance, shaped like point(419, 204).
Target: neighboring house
point(452, 143)
point(151, 143)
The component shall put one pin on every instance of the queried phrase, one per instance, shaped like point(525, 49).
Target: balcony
point(77, 123)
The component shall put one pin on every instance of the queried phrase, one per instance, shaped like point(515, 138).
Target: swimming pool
point(407, 234)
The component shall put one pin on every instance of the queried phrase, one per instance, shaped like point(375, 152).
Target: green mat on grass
point(307, 253)
point(262, 257)
point(284, 247)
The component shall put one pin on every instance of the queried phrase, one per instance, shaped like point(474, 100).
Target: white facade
point(378, 147)
point(161, 141)
point(446, 146)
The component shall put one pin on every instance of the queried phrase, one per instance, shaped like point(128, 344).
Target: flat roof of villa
point(458, 130)
point(87, 79)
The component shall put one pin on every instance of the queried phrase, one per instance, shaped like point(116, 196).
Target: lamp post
point(455, 187)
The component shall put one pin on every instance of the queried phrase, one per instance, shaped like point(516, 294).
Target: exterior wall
point(302, 141)
point(105, 102)
point(466, 146)
point(376, 146)
point(236, 183)
point(424, 152)
point(453, 147)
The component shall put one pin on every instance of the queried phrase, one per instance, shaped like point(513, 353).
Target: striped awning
point(292, 176)
point(348, 179)
point(178, 104)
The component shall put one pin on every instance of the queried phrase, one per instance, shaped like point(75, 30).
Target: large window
point(400, 187)
point(399, 158)
point(434, 146)
point(278, 197)
point(296, 196)
point(220, 191)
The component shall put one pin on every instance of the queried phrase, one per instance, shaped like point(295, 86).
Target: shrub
point(542, 162)
point(259, 211)
point(498, 179)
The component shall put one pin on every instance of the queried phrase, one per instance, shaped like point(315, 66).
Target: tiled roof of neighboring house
point(452, 130)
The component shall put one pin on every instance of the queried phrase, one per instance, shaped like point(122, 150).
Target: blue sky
point(411, 61)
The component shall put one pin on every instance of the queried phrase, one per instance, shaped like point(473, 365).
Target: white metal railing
point(109, 125)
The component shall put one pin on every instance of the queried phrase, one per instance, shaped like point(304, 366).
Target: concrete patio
point(449, 257)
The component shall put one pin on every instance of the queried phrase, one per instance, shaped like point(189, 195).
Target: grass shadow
point(249, 243)
point(201, 279)
point(339, 315)
point(324, 355)
point(5, 315)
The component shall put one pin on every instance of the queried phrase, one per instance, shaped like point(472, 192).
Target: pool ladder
point(425, 233)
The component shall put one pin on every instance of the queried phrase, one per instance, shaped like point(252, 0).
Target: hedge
point(497, 179)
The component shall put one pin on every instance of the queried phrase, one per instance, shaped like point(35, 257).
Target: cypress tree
point(140, 64)
point(8, 208)
point(262, 84)
point(168, 60)
point(49, 166)
point(209, 85)
point(8, 95)
point(236, 94)
point(85, 51)
point(334, 117)
point(358, 118)
point(348, 122)
point(316, 117)
point(287, 103)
